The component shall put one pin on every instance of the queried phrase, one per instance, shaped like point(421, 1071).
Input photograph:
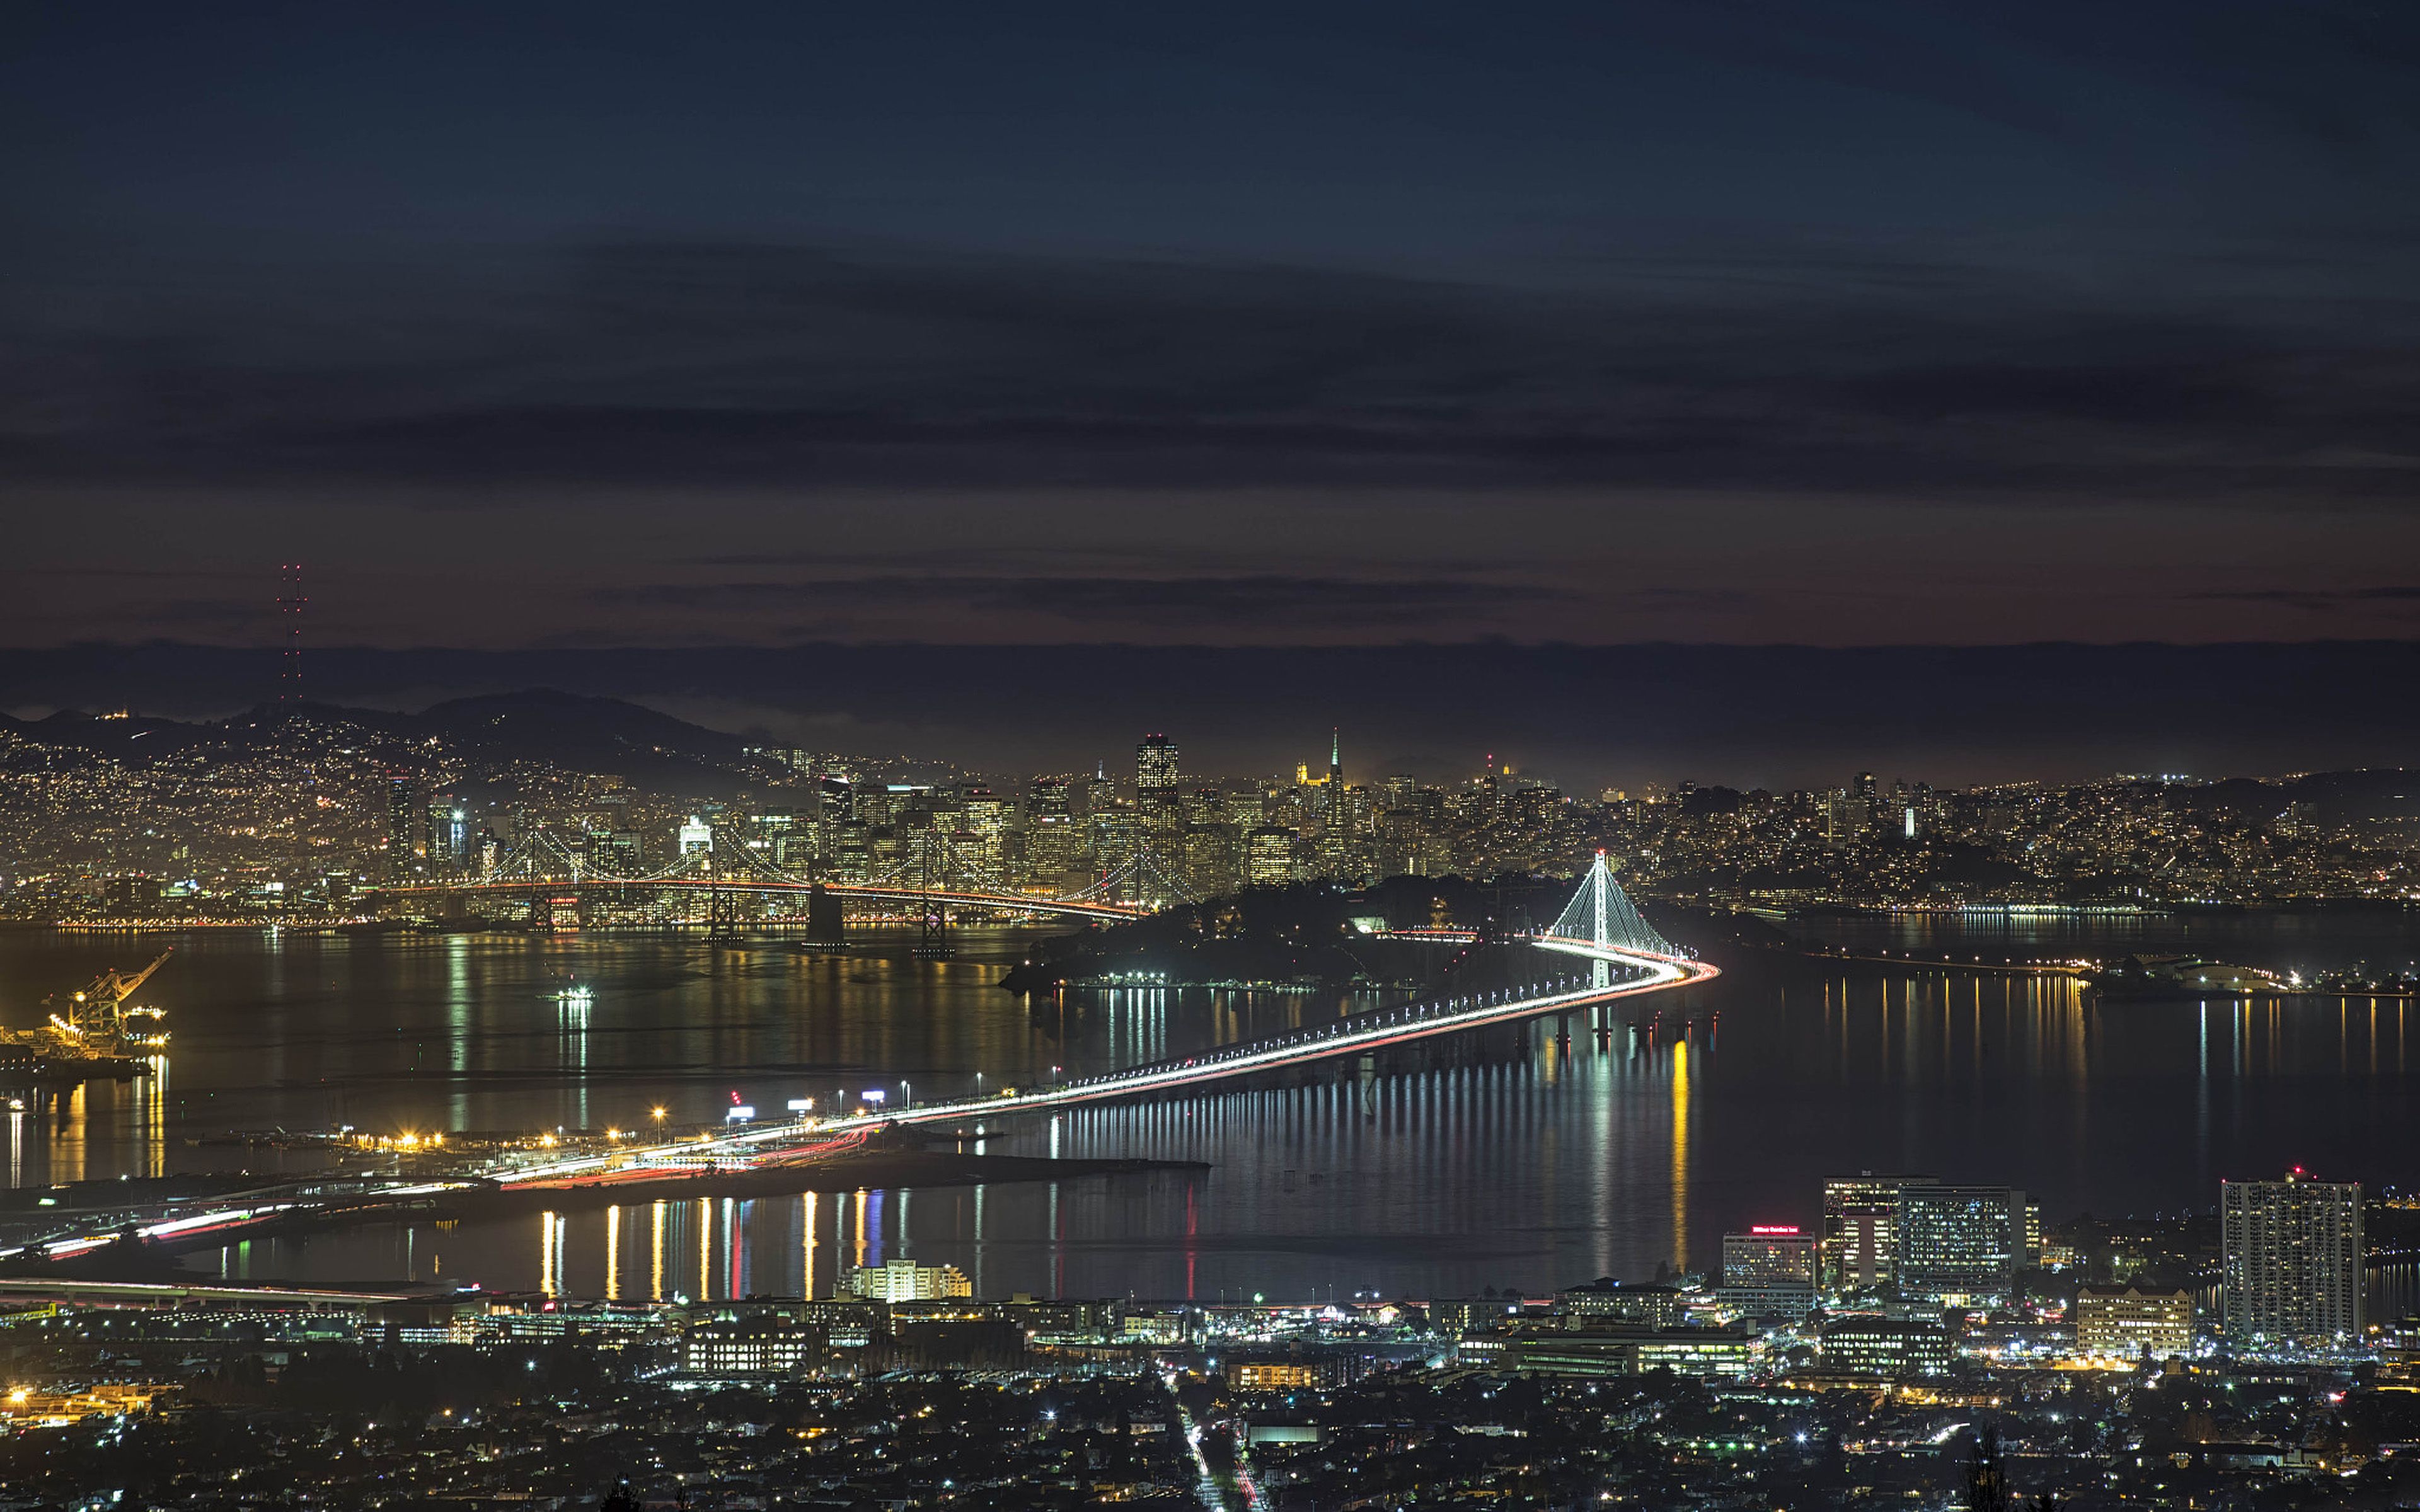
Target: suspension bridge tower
point(1602, 915)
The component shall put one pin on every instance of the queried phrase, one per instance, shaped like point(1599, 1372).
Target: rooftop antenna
point(289, 609)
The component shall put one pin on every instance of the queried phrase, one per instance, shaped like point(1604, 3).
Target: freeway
point(1640, 972)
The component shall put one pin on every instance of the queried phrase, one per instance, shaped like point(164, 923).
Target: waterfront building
point(2290, 1273)
point(906, 1281)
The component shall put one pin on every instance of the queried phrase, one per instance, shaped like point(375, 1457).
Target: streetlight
point(658, 1113)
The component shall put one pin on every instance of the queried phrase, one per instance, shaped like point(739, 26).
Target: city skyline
point(1636, 754)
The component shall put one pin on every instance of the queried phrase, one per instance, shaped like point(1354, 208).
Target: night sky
point(1723, 323)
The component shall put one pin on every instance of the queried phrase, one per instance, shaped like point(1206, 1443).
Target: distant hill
point(2336, 797)
point(546, 725)
point(594, 735)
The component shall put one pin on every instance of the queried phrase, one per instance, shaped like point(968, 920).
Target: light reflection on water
point(1520, 1161)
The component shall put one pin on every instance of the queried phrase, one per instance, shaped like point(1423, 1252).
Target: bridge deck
point(1649, 965)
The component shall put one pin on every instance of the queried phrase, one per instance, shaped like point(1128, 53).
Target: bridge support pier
point(723, 915)
point(933, 930)
point(824, 928)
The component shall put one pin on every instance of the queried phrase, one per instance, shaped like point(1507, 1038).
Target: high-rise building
point(1769, 1269)
point(1053, 845)
point(620, 852)
point(398, 826)
point(2291, 1274)
point(1214, 860)
point(1268, 856)
point(449, 832)
point(988, 818)
point(1768, 1253)
point(1861, 1228)
point(695, 836)
point(1961, 1245)
point(1156, 773)
point(1399, 840)
point(852, 851)
point(1336, 833)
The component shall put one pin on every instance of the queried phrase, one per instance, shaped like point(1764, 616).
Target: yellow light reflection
point(614, 1254)
point(807, 1288)
point(1680, 1154)
point(655, 1252)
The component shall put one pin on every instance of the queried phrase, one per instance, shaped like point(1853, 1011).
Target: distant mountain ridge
point(571, 730)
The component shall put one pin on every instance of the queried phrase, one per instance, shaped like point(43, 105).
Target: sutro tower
point(289, 609)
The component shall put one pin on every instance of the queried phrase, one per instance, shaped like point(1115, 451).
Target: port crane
point(95, 1020)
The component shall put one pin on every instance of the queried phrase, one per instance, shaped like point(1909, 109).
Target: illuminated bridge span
point(1618, 953)
point(1598, 951)
point(955, 898)
point(541, 871)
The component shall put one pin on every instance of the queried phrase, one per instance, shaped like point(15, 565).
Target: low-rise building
point(751, 1346)
point(2133, 1322)
point(1880, 1348)
point(1606, 1300)
point(906, 1281)
point(1615, 1351)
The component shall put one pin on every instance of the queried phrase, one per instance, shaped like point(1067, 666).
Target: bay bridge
point(1598, 952)
point(543, 879)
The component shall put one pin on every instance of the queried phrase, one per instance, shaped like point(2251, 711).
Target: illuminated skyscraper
point(1155, 774)
point(2290, 1275)
point(1159, 804)
point(1861, 1228)
point(1961, 1245)
point(1053, 842)
point(988, 819)
point(398, 827)
point(448, 834)
point(1336, 858)
point(1268, 856)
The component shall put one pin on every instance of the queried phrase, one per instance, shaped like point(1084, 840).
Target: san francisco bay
point(1540, 1158)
